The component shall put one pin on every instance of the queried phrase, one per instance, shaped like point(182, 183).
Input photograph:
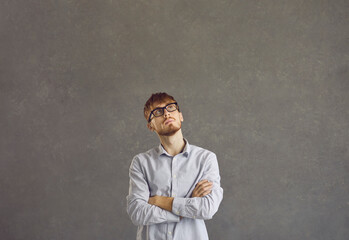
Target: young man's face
point(167, 124)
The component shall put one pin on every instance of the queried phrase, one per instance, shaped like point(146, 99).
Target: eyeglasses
point(157, 112)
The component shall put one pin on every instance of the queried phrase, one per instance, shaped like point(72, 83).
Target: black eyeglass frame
point(162, 108)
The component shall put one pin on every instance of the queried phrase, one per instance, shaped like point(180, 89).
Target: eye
point(157, 112)
point(171, 107)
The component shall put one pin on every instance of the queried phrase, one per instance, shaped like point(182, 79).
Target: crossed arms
point(203, 203)
point(202, 188)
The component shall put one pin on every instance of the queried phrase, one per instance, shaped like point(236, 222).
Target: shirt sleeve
point(202, 207)
point(138, 208)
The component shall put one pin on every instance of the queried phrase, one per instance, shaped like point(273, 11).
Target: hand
point(202, 188)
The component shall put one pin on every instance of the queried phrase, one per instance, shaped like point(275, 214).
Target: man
point(173, 187)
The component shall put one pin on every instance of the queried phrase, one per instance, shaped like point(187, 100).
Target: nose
point(166, 113)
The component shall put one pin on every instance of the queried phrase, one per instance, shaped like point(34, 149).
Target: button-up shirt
point(155, 172)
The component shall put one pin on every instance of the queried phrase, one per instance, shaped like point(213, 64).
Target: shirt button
point(174, 176)
point(169, 233)
point(177, 212)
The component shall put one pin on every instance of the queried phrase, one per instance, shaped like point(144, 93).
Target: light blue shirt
point(155, 172)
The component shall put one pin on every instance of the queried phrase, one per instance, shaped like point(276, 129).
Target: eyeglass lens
point(160, 111)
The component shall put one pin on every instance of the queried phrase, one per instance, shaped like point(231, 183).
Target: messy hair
point(156, 98)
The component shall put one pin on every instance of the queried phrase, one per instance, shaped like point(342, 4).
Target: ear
point(181, 116)
point(150, 127)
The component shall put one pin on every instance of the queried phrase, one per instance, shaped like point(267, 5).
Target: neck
point(173, 144)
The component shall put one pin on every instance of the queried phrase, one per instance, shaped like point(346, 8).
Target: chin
point(170, 132)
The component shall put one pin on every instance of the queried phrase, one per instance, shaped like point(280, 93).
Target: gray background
point(263, 84)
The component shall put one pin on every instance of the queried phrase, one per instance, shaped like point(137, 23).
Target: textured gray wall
point(264, 84)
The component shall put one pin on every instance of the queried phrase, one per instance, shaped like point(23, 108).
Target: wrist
point(165, 203)
point(162, 202)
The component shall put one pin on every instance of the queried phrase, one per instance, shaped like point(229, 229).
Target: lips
point(169, 121)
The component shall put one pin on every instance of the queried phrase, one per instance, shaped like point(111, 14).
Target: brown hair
point(156, 98)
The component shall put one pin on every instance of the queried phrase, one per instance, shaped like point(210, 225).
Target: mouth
point(169, 121)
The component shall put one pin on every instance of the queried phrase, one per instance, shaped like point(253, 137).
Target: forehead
point(161, 104)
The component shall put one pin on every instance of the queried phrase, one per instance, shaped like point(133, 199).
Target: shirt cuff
point(172, 217)
point(179, 205)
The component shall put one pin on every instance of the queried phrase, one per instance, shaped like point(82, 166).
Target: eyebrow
point(161, 107)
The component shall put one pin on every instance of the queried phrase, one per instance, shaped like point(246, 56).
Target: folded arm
point(138, 208)
point(204, 202)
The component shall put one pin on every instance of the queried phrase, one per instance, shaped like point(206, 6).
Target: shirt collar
point(161, 149)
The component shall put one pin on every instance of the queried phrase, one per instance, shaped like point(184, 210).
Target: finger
point(204, 185)
point(200, 191)
point(201, 182)
point(195, 194)
point(207, 184)
point(208, 188)
point(205, 193)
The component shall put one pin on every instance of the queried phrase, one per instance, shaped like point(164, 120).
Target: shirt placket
point(174, 192)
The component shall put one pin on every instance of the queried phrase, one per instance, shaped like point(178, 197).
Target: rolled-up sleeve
point(202, 207)
point(138, 208)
